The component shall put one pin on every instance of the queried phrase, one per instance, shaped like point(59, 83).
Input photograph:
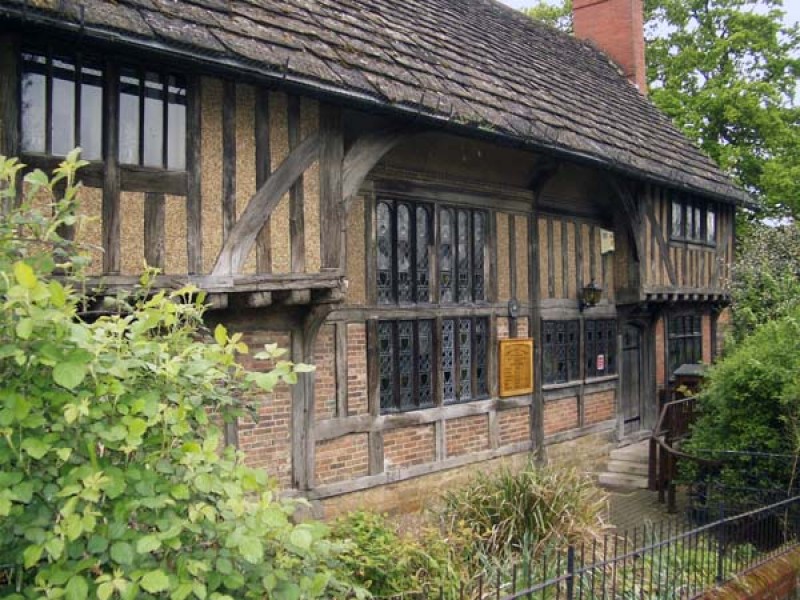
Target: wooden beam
point(658, 234)
point(154, 211)
point(111, 182)
point(364, 154)
point(297, 228)
point(243, 235)
point(9, 94)
point(341, 369)
point(194, 208)
point(263, 170)
point(331, 200)
point(228, 157)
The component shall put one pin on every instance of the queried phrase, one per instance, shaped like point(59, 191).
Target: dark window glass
point(684, 341)
point(148, 135)
point(600, 338)
point(694, 222)
point(446, 235)
point(448, 360)
point(480, 337)
point(560, 348)
point(463, 262)
point(405, 350)
point(423, 255)
point(403, 254)
point(385, 248)
point(478, 255)
point(34, 102)
point(62, 100)
point(464, 360)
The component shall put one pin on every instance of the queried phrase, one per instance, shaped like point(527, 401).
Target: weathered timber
point(551, 280)
point(259, 299)
point(341, 369)
point(194, 208)
point(263, 170)
point(243, 235)
point(228, 157)
point(331, 200)
point(111, 182)
point(365, 153)
point(658, 234)
point(301, 476)
point(9, 94)
point(297, 234)
point(147, 179)
point(154, 212)
point(512, 268)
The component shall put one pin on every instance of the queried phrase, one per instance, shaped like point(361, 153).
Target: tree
point(726, 72)
point(558, 15)
point(114, 482)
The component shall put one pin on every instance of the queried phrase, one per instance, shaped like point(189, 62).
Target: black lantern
point(590, 295)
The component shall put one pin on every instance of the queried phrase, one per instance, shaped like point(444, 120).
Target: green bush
point(750, 401)
point(515, 512)
point(113, 480)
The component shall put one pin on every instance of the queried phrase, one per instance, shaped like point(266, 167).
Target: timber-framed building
point(389, 189)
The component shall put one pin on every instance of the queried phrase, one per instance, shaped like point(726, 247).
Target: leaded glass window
point(464, 359)
point(385, 251)
point(481, 335)
point(448, 369)
point(463, 254)
point(600, 345)
point(560, 349)
point(423, 255)
point(478, 252)
point(404, 283)
point(693, 221)
point(405, 365)
point(684, 341)
point(446, 256)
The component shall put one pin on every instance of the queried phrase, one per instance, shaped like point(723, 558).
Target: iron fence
point(669, 560)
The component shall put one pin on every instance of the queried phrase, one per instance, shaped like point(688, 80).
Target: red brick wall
point(341, 459)
point(325, 374)
point(502, 328)
point(660, 354)
point(560, 415)
point(267, 444)
point(724, 325)
point(357, 369)
point(513, 425)
point(599, 407)
point(522, 327)
point(467, 435)
point(408, 446)
point(706, 328)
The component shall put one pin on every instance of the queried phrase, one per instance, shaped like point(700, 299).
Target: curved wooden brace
point(243, 235)
point(362, 157)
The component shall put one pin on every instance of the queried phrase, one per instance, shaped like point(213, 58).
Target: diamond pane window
point(385, 251)
point(448, 368)
point(403, 254)
point(446, 258)
point(425, 365)
point(600, 347)
point(481, 340)
point(405, 366)
point(560, 349)
point(423, 255)
point(464, 360)
point(386, 365)
point(463, 257)
point(478, 251)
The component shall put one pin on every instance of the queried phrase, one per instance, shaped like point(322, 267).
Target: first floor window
point(600, 343)
point(560, 348)
point(693, 222)
point(407, 361)
point(684, 340)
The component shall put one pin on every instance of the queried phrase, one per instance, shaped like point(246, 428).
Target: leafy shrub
point(113, 482)
point(750, 402)
point(523, 511)
point(387, 562)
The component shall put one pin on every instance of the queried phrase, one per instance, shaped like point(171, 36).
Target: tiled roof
point(475, 64)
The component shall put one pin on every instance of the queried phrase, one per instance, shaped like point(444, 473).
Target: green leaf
point(97, 544)
point(287, 590)
point(220, 334)
point(181, 592)
point(304, 368)
point(5, 506)
point(251, 549)
point(105, 590)
point(77, 588)
point(122, 553)
point(24, 329)
point(69, 374)
point(64, 453)
point(24, 275)
point(147, 544)
point(31, 555)
point(301, 538)
point(155, 581)
point(57, 294)
point(35, 448)
point(54, 547)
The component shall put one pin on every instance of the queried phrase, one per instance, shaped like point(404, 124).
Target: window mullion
point(48, 113)
point(165, 120)
point(78, 87)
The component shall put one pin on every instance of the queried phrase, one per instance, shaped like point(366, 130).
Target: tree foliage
point(766, 277)
point(114, 482)
point(726, 72)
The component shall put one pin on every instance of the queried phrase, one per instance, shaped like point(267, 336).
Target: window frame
point(677, 334)
point(609, 347)
point(579, 372)
point(699, 211)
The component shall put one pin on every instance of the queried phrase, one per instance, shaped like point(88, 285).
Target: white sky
point(792, 7)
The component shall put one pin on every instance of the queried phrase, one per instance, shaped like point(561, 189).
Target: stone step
point(638, 453)
point(622, 480)
point(627, 467)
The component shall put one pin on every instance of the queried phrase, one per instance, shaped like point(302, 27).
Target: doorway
point(632, 379)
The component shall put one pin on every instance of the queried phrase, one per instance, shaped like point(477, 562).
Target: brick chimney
point(617, 28)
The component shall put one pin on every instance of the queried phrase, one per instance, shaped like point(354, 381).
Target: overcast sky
point(792, 7)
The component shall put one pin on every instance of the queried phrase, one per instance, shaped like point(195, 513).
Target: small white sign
point(601, 362)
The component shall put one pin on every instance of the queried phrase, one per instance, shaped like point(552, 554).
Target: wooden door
point(632, 379)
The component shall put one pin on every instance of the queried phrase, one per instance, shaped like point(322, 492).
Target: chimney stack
point(617, 28)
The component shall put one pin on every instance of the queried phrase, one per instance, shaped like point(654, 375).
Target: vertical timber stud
point(154, 229)
point(300, 474)
point(512, 267)
point(9, 97)
point(111, 181)
point(228, 157)
point(296, 214)
point(535, 328)
point(375, 441)
point(341, 369)
point(194, 208)
point(332, 216)
point(263, 170)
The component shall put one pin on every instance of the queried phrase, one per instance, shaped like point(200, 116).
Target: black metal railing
point(670, 560)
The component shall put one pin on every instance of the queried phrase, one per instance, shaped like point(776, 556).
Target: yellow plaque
point(516, 367)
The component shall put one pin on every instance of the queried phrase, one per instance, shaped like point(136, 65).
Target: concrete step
point(622, 480)
point(627, 467)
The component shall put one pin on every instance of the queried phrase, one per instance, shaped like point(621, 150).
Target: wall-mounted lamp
point(590, 295)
